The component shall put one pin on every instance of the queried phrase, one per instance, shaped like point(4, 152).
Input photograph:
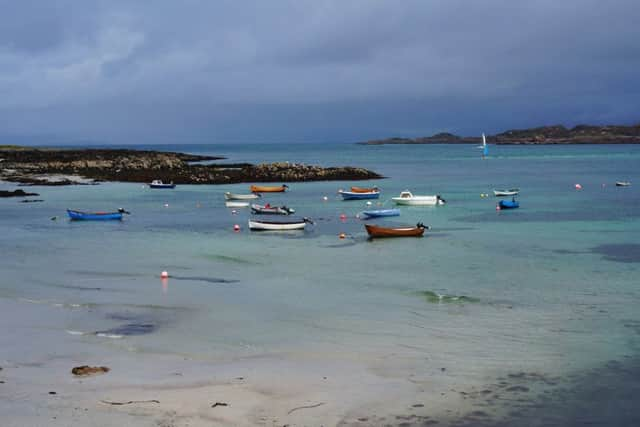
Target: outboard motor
point(441, 201)
point(123, 211)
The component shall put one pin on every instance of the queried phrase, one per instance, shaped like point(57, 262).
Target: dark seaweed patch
point(435, 297)
point(619, 252)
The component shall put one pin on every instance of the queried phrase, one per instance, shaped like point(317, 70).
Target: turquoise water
point(552, 286)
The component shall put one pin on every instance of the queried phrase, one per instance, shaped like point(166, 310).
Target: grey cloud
point(205, 70)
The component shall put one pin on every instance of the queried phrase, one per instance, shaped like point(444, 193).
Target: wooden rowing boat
point(377, 231)
point(96, 216)
point(232, 196)
point(350, 195)
point(269, 189)
point(278, 225)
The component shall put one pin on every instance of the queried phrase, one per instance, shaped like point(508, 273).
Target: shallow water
point(548, 288)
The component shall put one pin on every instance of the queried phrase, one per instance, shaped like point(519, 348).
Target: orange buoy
point(164, 275)
point(236, 227)
point(342, 235)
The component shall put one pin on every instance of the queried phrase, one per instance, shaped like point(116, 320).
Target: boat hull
point(232, 196)
point(162, 186)
point(377, 231)
point(623, 184)
point(268, 189)
point(508, 204)
point(94, 216)
point(506, 193)
point(350, 195)
point(271, 210)
point(259, 225)
point(236, 204)
point(418, 201)
point(380, 213)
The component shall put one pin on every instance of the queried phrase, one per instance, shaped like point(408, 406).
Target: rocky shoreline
point(33, 166)
point(545, 135)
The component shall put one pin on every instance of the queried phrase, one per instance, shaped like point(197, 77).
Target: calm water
point(550, 288)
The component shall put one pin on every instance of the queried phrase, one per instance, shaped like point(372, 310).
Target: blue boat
point(377, 213)
point(508, 204)
point(350, 195)
point(96, 216)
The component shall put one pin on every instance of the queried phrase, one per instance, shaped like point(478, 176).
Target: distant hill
point(557, 134)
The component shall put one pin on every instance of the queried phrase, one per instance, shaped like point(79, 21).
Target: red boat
point(377, 231)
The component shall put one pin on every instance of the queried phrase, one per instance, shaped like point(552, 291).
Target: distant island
point(558, 134)
point(44, 166)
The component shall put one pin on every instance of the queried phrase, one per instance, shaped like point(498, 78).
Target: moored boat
point(622, 183)
point(377, 213)
point(273, 210)
point(350, 195)
point(157, 183)
point(232, 196)
point(269, 189)
point(506, 193)
point(508, 204)
point(96, 216)
point(278, 225)
point(364, 190)
point(407, 198)
point(378, 231)
point(236, 204)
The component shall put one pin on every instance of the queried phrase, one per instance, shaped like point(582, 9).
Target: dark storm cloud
point(212, 71)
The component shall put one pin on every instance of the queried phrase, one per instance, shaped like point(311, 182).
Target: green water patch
point(434, 297)
point(230, 259)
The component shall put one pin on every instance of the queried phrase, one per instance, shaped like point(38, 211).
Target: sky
point(253, 71)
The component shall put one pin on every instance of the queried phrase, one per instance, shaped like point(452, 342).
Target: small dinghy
point(96, 216)
point(232, 196)
point(377, 231)
point(407, 198)
point(377, 213)
point(267, 189)
point(351, 195)
point(276, 225)
point(156, 183)
point(508, 204)
point(236, 204)
point(273, 210)
point(506, 193)
point(622, 183)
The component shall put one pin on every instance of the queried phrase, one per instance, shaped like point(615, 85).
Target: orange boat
point(377, 231)
point(266, 189)
point(364, 190)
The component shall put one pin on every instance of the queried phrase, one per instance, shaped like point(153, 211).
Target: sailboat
point(485, 147)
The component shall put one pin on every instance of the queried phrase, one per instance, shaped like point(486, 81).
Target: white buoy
point(164, 275)
point(368, 203)
point(236, 227)
point(166, 205)
point(325, 198)
point(578, 187)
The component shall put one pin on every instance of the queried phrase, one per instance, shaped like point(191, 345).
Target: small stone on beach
point(89, 370)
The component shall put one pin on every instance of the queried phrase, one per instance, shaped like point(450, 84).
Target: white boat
point(407, 198)
point(232, 196)
point(276, 225)
point(235, 204)
point(505, 193)
point(622, 183)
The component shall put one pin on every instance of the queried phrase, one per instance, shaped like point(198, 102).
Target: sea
point(540, 303)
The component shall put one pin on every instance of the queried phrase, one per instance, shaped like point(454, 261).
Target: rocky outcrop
point(16, 193)
point(63, 167)
point(557, 134)
point(83, 371)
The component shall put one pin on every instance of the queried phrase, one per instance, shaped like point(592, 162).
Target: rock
point(86, 370)
point(16, 193)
